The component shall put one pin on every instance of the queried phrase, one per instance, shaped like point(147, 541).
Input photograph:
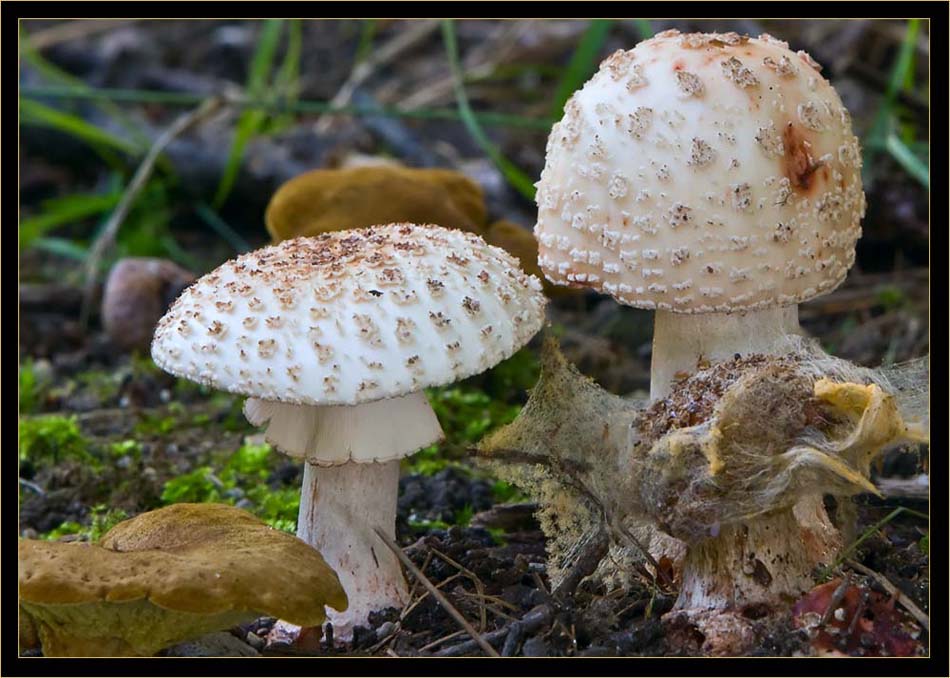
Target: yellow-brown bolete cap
point(326, 200)
point(169, 575)
point(703, 174)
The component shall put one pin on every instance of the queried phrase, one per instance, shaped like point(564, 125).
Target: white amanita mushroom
point(711, 177)
point(334, 338)
point(715, 179)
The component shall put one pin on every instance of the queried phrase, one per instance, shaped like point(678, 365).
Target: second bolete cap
point(352, 316)
point(699, 173)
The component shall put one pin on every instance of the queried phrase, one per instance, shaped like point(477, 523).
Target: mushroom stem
point(765, 561)
point(351, 488)
point(339, 507)
point(680, 340)
point(751, 570)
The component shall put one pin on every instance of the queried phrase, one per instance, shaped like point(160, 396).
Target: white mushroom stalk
point(334, 339)
point(351, 487)
point(715, 179)
point(681, 342)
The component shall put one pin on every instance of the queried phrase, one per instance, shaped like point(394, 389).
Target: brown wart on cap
point(327, 200)
point(748, 163)
point(169, 575)
point(368, 319)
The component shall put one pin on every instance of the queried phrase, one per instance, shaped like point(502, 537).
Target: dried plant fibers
point(719, 466)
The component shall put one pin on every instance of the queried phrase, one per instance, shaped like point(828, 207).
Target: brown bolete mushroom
point(327, 200)
point(168, 575)
point(334, 339)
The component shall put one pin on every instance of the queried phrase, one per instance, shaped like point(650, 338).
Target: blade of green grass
point(62, 211)
point(55, 74)
point(365, 45)
point(583, 63)
point(222, 228)
point(289, 73)
point(512, 173)
point(250, 121)
point(62, 247)
point(40, 115)
point(913, 165)
point(884, 118)
point(301, 106)
point(644, 28)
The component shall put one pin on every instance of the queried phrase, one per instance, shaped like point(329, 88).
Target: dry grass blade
point(922, 617)
point(363, 70)
point(439, 641)
point(436, 593)
point(107, 237)
point(479, 587)
point(74, 30)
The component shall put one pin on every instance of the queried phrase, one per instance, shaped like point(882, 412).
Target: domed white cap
point(352, 316)
point(699, 173)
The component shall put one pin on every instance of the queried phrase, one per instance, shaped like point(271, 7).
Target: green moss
point(154, 425)
point(510, 380)
point(278, 508)
point(105, 386)
point(506, 493)
point(198, 486)
point(466, 414)
point(250, 460)
point(125, 448)
point(34, 385)
point(51, 440)
point(247, 470)
point(463, 516)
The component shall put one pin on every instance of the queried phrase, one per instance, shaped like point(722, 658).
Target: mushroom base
point(339, 507)
point(752, 570)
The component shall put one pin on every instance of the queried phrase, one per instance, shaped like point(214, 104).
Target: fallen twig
point(144, 171)
point(593, 552)
point(436, 593)
point(532, 621)
point(922, 617)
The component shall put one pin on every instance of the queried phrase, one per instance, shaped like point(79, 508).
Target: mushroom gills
point(379, 431)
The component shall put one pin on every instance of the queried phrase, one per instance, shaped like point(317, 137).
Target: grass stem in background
point(518, 179)
point(583, 63)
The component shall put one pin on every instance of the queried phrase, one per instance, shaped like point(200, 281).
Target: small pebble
point(535, 647)
point(254, 641)
point(384, 630)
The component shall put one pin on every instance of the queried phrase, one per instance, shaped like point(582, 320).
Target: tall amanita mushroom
point(335, 338)
point(711, 177)
point(714, 178)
